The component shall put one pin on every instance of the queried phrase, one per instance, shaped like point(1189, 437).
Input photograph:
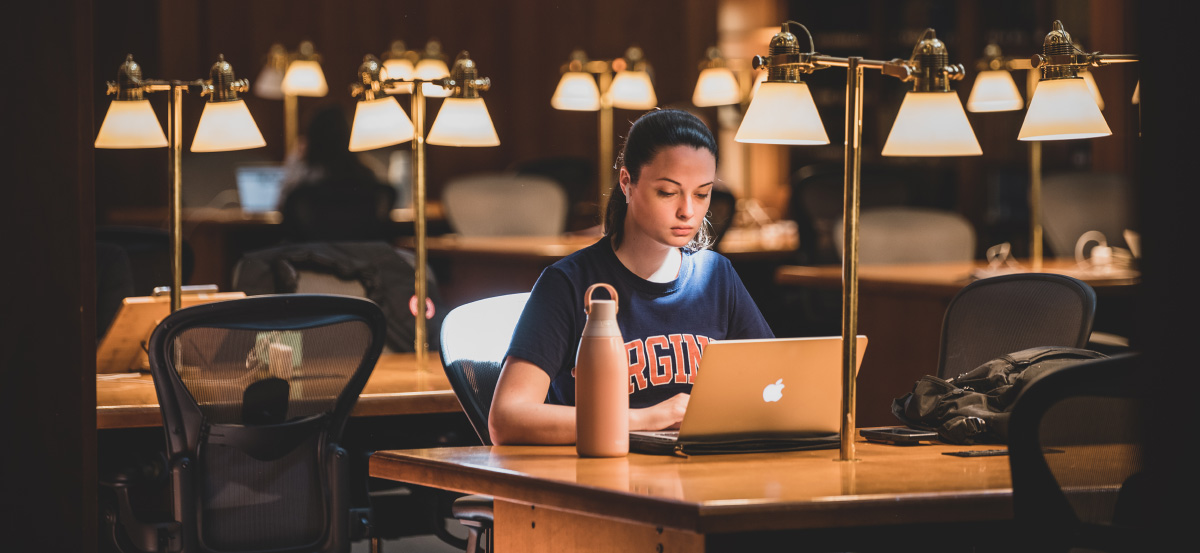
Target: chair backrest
point(910, 235)
point(576, 175)
point(372, 270)
point(1074, 203)
point(475, 338)
point(149, 253)
point(254, 394)
point(338, 213)
point(505, 204)
point(1076, 457)
point(817, 199)
point(1003, 314)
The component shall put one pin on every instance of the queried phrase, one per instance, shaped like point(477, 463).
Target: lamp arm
point(357, 89)
point(1094, 59)
point(1098, 59)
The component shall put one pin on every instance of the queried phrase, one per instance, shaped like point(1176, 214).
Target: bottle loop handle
point(587, 297)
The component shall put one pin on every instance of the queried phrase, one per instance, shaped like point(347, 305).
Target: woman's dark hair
point(650, 134)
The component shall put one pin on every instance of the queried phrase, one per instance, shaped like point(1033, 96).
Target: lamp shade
point(1137, 93)
point(269, 83)
point(463, 122)
point(782, 113)
point(304, 78)
point(716, 86)
point(130, 124)
point(1063, 109)
point(1095, 90)
point(226, 126)
point(378, 123)
point(632, 90)
point(576, 91)
point(994, 90)
point(430, 69)
point(399, 68)
point(931, 124)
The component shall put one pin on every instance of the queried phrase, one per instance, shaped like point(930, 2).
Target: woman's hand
point(664, 416)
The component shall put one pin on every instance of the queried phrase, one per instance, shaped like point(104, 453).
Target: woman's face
point(668, 203)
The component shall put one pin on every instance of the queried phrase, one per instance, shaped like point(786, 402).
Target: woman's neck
point(649, 259)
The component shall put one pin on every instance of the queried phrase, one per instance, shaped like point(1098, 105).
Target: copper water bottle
point(601, 381)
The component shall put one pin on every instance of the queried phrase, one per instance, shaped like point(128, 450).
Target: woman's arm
point(520, 414)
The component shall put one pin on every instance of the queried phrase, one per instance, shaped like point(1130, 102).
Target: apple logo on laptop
point(773, 392)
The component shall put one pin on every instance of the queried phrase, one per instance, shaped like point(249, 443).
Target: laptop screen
point(258, 186)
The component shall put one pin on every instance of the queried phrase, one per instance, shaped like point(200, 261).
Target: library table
point(549, 499)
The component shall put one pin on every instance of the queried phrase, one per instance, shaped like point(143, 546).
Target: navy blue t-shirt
point(665, 326)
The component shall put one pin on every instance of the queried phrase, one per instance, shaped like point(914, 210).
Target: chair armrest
point(143, 535)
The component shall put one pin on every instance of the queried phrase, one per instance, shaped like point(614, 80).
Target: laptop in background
point(258, 186)
point(757, 391)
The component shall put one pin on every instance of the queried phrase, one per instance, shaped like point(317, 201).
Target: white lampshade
point(130, 124)
point(304, 78)
point(226, 126)
point(758, 81)
point(269, 83)
point(632, 90)
point(931, 124)
point(576, 91)
point(994, 91)
point(399, 68)
point(716, 86)
point(378, 123)
point(1137, 93)
point(463, 122)
point(1090, 81)
point(782, 113)
point(1095, 90)
point(430, 69)
point(1063, 109)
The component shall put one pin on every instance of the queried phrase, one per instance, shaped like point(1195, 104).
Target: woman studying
point(675, 294)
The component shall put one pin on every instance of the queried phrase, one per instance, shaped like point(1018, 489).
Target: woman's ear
point(625, 181)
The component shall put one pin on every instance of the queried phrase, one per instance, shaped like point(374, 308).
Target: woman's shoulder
point(708, 259)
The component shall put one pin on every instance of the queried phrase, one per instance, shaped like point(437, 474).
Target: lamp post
point(630, 88)
point(783, 112)
point(379, 121)
point(286, 76)
point(225, 124)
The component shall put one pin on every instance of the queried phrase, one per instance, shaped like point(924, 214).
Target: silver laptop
point(763, 389)
point(258, 186)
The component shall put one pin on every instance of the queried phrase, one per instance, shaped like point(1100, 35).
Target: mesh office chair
point(994, 316)
point(1076, 459)
point(254, 395)
point(475, 339)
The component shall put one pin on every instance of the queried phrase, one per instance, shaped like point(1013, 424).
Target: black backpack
point(973, 407)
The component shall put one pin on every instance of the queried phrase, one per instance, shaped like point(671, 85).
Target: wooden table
point(398, 386)
point(476, 267)
point(548, 499)
point(900, 309)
